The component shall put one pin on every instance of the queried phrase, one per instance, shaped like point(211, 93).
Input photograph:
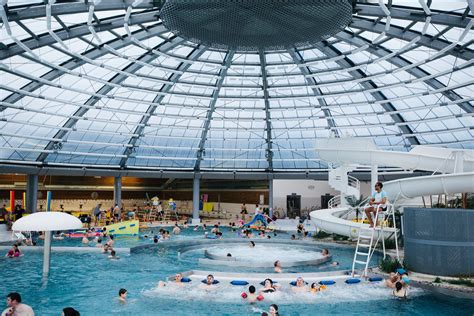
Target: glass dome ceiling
point(105, 84)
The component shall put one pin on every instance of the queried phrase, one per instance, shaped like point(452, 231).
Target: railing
point(353, 182)
point(334, 202)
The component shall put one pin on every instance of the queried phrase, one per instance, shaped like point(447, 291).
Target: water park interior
point(197, 157)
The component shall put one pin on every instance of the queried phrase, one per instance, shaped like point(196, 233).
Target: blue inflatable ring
point(352, 281)
point(375, 279)
point(238, 282)
point(214, 282)
point(327, 282)
point(185, 280)
point(293, 283)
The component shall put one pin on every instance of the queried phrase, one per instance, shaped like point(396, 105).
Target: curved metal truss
point(105, 84)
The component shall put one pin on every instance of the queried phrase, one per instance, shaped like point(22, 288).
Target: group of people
point(398, 281)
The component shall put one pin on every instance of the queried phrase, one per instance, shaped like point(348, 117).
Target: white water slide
point(458, 163)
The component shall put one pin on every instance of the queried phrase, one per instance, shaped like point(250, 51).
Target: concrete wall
point(310, 191)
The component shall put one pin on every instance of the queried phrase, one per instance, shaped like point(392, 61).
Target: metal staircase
point(369, 237)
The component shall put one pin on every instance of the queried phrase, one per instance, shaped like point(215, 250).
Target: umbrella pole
point(46, 253)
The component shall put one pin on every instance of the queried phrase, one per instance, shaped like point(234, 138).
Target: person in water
point(209, 282)
point(178, 280)
point(300, 285)
point(315, 287)
point(176, 229)
point(268, 286)
point(273, 310)
point(113, 255)
point(277, 266)
point(252, 297)
point(251, 244)
point(122, 296)
point(393, 278)
point(16, 307)
point(14, 252)
point(400, 291)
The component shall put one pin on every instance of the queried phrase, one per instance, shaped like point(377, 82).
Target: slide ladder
point(367, 243)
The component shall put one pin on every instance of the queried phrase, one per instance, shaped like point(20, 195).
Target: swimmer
point(251, 244)
point(229, 255)
point(400, 291)
point(215, 229)
point(176, 229)
point(210, 282)
point(325, 252)
point(293, 237)
point(252, 297)
point(177, 281)
point(300, 285)
point(392, 280)
point(122, 296)
point(99, 243)
point(113, 256)
point(273, 310)
point(315, 287)
point(405, 279)
point(268, 286)
point(109, 245)
point(277, 266)
point(204, 227)
point(334, 263)
point(14, 252)
point(85, 240)
point(155, 240)
point(196, 228)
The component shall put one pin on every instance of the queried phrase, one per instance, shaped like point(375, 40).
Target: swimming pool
point(90, 282)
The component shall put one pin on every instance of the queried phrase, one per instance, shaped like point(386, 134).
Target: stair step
point(365, 236)
point(364, 245)
point(360, 262)
point(362, 253)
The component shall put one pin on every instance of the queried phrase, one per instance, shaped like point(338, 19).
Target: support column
point(374, 177)
point(458, 161)
point(31, 193)
point(118, 191)
point(47, 240)
point(344, 181)
point(270, 196)
point(196, 220)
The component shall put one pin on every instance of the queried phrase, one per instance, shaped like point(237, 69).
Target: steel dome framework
point(104, 84)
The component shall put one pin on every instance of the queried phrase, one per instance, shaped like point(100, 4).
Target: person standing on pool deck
point(378, 200)
point(16, 307)
point(96, 213)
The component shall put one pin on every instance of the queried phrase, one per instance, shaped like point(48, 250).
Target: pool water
point(90, 282)
point(265, 252)
point(132, 241)
point(342, 255)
